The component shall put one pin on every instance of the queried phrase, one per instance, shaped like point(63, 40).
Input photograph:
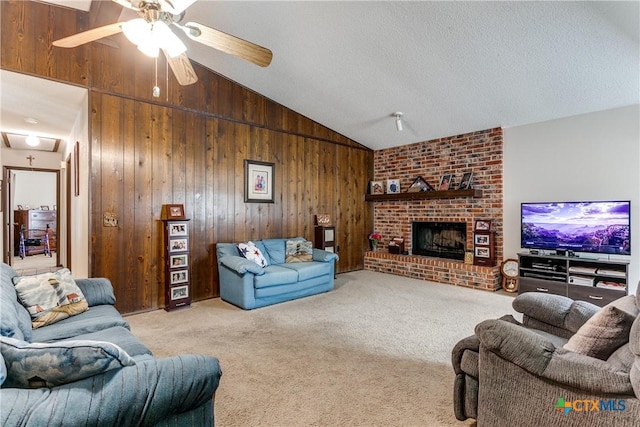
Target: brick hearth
point(434, 269)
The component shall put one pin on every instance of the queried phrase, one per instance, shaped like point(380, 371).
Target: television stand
point(593, 280)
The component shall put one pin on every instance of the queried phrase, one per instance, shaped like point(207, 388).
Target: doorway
point(31, 218)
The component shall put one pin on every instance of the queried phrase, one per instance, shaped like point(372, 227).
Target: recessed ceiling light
point(31, 120)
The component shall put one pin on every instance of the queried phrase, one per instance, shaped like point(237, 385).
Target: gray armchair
point(568, 363)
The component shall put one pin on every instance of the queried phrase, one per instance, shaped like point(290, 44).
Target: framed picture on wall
point(258, 182)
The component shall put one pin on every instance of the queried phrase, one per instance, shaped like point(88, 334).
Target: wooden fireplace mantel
point(422, 195)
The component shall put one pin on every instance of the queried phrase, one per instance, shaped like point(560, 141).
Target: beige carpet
point(373, 352)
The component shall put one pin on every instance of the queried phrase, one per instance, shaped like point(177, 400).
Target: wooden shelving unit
point(578, 278)
point(447, 194)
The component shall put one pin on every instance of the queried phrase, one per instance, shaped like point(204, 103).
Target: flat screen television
point(596, 227)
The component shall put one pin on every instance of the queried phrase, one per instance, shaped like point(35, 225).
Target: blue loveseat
point(145, 391)
point(248, 285)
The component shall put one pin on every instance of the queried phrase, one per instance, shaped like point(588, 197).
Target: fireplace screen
point(439, 239)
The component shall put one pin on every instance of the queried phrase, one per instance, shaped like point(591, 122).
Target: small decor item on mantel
point(418, 185)
point(374, 238)
point(393, 186)
point(445, 180)
point(467, 181)
point(375, 187)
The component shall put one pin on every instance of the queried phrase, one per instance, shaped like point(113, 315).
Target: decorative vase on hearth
point(373, 244)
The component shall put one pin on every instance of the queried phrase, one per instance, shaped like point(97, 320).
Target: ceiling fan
point(151, 33)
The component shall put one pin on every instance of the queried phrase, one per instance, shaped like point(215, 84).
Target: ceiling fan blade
point(227, 43)
point(89, 36)
point(182, 68)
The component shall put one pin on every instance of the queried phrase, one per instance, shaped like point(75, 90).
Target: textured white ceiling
point(450, 67)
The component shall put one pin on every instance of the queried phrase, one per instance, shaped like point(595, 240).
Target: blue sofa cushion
point(15, 321)
point(309, 270)
point(95, 319)
point(276, 248)
point(241, 265)
point(50, 297)
point(120, 336)
point(48, 365)
point(275, 275)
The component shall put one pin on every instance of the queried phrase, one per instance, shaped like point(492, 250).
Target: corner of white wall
point(592, 156)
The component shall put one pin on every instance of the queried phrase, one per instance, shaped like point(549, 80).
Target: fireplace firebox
point(439, 239)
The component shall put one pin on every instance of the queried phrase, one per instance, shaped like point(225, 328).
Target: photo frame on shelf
point(179, 261)
point(482, 252)
point(20, 208)
point(179, 229)
point(393, 186)
point(445, 181)
point(44, 207)
point(258, 181)
point(179, 292)
point(482, 225)
point(466, 182)
point(419, 185)
point(481, 239)
point(376, 187)
point(173, 211)
point(178, 245)
point(179, 276)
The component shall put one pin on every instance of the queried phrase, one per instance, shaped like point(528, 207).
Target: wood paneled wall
point(188, 147)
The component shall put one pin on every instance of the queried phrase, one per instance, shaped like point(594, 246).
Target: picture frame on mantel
point(258, 181)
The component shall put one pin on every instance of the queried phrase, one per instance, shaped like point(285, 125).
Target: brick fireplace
point(478, 152)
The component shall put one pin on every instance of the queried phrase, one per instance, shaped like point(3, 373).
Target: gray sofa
point(248, 285)
point(146, 391)
point(539, 372)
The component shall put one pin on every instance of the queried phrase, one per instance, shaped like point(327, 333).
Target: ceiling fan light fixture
point(167, 40)
point(149, 47)
point(32, 140)
point(137, 30)
point(398, 116)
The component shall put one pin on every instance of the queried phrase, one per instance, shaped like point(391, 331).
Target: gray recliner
point(512, 373)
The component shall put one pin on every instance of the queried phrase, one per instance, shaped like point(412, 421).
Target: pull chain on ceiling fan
point(151, 33)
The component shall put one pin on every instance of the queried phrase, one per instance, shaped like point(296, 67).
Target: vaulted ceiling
point(450, 67)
